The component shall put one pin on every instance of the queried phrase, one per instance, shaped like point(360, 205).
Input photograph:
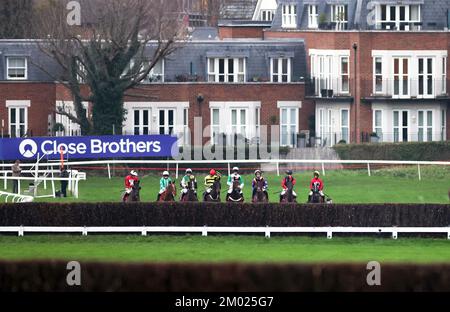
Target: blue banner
point(98, 147)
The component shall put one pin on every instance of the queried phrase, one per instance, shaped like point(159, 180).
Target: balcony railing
point(328, 88)
point(400, 26)
point(422, 88)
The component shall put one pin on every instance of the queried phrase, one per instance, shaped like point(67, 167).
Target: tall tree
point(15, 17)
point(114, 50)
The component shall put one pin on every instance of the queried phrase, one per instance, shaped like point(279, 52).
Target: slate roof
point(434, 12)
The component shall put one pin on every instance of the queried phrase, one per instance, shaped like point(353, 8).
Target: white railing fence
point(205, 230)
point(75, 176)
point(175, 164)
point(15, 198)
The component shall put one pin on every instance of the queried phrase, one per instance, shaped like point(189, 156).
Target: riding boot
point(309, 198)
point(159, 197)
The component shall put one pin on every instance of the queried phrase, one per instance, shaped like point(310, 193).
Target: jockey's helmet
point(289, 172)
point(165, 174)
point(317, 173)
point(235, 169)
point(134, 173)
point(258, 172)
point(188, 171)
point(212, 172)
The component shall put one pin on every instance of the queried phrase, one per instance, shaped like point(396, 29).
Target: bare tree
point(14, 17)
point(114, 50)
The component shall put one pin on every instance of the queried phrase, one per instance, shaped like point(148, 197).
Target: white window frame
point(215, 127)
point(8, 58)
point(336, 10)
point(444, 75)
point(166, 125)
point(426, 77)
point(240, 127)
point(16, 106)
point(342, 75)
point(238, 75)
point(313, 16)
point(186, 129)
point(267, 15)
point(377, 76)
point(425, 131)
point(143, 129)
point(378, 128)
point(159, 78)
point(443, 124)
point(280, 74)
point(343, 126)
point(289, 16)
point(225, 124)
point(291, 138)
point(400, 126)
point(402, 77)
point(408, 20)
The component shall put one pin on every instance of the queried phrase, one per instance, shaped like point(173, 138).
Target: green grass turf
point(395, 185)
point(250, 249)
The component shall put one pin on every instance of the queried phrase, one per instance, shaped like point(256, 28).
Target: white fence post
point(176, 171)
point(109, 171)
point(368, 169)
point(278, 168)
point(323, 169)
point(420, 173)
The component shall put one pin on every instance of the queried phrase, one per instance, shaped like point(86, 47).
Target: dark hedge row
point(97, 277)
point(200, 214)
point(413, 151)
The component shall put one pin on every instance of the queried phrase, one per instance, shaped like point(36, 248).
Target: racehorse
point(169, 194)
point(214, 195)
point(134, 196)
point(235, 196)
point(316, 198)
point(289, 196)
point(260, 195)
point(191, 195)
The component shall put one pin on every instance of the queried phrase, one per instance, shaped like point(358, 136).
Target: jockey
point(185, 182)
point(258, 178)
point(164, 183)
point(316, 183)
point(130, 180)
point(210, 179)
point(284, 182)
point(235, 176)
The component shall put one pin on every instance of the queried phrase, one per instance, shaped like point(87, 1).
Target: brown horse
point(289, 196)
point(134, 196)
point(260, 195)
point(235, 196)
point(191, 195)
point(169, 194)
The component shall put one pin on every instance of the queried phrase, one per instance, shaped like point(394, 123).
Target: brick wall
point(269, 94)
point(361, 114)
point(42, 97)
point(240, 32)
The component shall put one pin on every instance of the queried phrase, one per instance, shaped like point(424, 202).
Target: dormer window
point(17, 68)
point(289, 16)
point(339, 16)
point(398, 17)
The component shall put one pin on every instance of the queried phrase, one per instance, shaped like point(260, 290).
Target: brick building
point(373, 67)
point(307, 66)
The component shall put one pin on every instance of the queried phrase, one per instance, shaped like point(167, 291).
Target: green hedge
point(433, 151)
point(223, 214)
point(41, 276)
